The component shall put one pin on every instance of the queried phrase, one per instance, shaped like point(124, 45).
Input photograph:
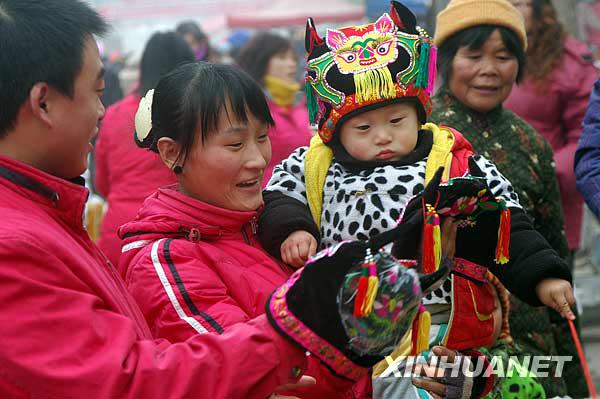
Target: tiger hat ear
point(335, 39)
point(311, 38)
point(403, 18)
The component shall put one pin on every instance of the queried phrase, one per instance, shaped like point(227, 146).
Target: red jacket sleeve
point(60, 340)
point(181, 296)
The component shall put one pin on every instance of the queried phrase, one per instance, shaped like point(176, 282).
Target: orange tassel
point(503, 244)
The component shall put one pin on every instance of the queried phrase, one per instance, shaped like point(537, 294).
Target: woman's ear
point(169, 151)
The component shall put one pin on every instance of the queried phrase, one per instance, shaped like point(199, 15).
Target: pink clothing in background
point(290, 132)
point(124, 173)
point(556, 111)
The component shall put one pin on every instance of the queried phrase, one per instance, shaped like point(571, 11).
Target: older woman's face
point(227, 169)
point(482, 79)
point(284, 66)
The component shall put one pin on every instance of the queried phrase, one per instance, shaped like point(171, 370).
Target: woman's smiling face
point(482, 78)
point(226, 170)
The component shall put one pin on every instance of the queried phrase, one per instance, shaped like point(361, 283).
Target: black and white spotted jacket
point(358, 204)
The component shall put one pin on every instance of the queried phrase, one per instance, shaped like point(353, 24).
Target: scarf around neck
point(281, 92)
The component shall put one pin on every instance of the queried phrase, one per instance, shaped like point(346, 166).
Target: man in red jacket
point(68, 327)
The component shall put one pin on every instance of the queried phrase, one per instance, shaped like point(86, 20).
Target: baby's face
point(384, 134)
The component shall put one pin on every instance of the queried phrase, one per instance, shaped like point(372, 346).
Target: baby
point(369, 88)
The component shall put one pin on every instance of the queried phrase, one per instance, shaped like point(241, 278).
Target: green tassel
point(311, 104)
point(423, 77)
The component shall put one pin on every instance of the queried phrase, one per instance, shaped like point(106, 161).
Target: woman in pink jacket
point(191, 258)
point(273, 63)
point(124, 175)
point(553, 98)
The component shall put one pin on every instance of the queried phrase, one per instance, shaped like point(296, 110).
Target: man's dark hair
point(188, 102)
point(163, 52)
point(474, 38)
point(41, 41)
point(254, 57)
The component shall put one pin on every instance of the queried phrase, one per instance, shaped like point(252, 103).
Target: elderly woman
point(553, 97)
point(191, 258)
point(271, 60)
point(481, 55)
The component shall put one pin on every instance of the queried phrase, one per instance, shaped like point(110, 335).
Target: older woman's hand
point(557, 294)
point(298, 247)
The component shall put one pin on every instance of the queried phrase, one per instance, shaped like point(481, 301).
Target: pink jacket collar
point(169, 212)
point(67, 198)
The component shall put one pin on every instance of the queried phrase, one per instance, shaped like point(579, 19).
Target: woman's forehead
point(494, 42)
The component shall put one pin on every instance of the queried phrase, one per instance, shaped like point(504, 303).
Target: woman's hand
point(557, 294)
point(440, 383)
point(304, 383)
point(298, 247)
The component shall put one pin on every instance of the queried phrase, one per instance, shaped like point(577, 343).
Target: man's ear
point(40, 102)
point(169, 151)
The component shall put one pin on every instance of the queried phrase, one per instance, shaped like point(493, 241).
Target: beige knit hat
point(463, 14)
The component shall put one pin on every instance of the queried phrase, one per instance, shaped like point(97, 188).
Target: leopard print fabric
point(364, 204)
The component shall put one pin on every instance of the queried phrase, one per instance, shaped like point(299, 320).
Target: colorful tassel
point(373, 286)
point(423, 336)
point(368, 284)
point(422, 80)
point(361, 294)
point(420, 331)
point(432, 240)
point(311, 104)
point(432, 70)
point(374, 84)
point(502, 246)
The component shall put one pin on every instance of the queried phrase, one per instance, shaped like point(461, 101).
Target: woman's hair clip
point(143, 117)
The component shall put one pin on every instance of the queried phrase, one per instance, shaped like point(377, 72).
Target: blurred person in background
point(481, 55)
point(124, 175)
point(588, 24)
point(553, 97)
point(112, 90)
point(271, 60)
point(196, 39)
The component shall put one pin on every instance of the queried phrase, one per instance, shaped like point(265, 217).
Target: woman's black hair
point(189, 100)
point(254, 57)
point(163, 52)
point(474, 38)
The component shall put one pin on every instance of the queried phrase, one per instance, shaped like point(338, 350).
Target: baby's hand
point(298, 247)
point(557, 294)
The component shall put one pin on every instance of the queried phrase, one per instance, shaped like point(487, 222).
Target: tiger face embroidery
point(366, 47)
